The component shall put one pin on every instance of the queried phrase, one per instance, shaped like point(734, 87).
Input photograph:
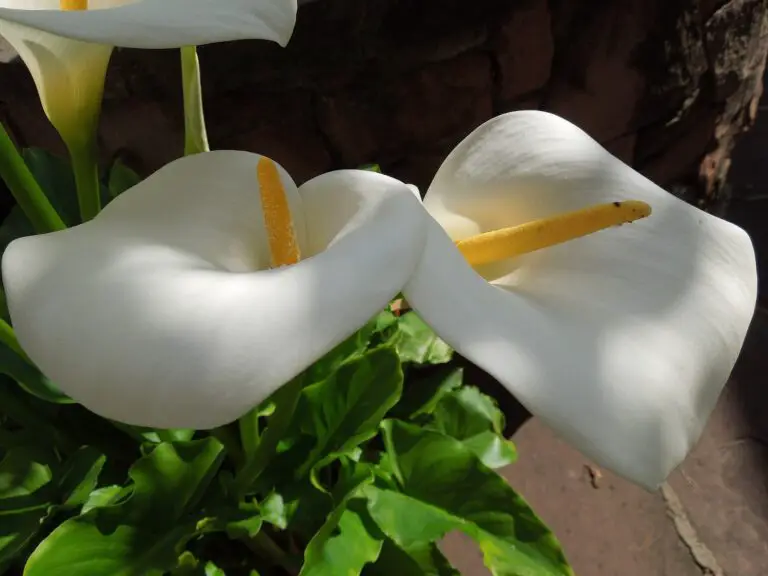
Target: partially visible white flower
point(165, 310)
point(621, 341)
point(67, 49)
point(156, 23)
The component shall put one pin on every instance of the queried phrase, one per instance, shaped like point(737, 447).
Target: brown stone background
point(664, 84)
point(667, 85)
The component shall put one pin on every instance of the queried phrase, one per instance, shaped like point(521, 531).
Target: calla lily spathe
point(620, 341)
point(158, 23)
point(162, 311)
point(67, 51)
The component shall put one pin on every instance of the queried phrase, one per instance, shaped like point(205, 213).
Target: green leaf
point(274, 511)
point(465, 412)
point(15, 225)
point(384, 321)
point(345, 409)
point(78, 547)
point(474, 418)
point(244, 523)
point(121, 178)
point(492, 449)
point(54, 174)
point(445, 487)
point(417, 343)
point(356, 542)
point(24, 500)
point(55, 177)
point(79, 476)
point(29, 377)
point(22, 185)
point(102, 497)
point(140, 535)
point(371, 168)
point(307, 508)
point(349, 539)
point(427, 561)
point(33, 414)
point(212, 570)
point(171, 479)
point(353, 347)
point(425, 388)
point(285, 400)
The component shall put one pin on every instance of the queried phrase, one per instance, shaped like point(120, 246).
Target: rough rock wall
point(665, 84)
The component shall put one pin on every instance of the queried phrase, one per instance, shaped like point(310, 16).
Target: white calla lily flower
point(621, 340)
point(66, 44)
point(156, 23)
point(197, 293)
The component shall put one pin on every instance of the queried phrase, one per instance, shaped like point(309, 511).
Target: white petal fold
point(160, 311)
point(159, 23)
point(621, 341)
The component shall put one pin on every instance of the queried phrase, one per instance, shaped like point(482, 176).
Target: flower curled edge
point(621, 341)
point(165, 311)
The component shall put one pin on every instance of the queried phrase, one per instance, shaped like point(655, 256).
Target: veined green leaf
point(474, 418)
point(139, 536)
point(29, 377)
point(417, 343)
point(346, 408)
point(445, 487)
point(24, 500)
point(79, 476)
point(349, 539)
point(425, 388)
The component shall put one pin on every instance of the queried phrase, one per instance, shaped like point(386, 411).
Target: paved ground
point(712, 517)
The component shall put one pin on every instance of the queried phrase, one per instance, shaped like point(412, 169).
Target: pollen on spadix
point(283, 246)
point(506, 243)
point(73, 4)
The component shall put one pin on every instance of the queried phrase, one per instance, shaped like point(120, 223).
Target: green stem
point(85, 166)
point(249, 432)
point(25, 189)
point(8, 337)
point(228, 437)
point(195, 134)
point(285, 399)
point(165, 435)
point(268, 549)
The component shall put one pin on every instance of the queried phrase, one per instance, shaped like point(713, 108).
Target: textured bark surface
point(665, 84)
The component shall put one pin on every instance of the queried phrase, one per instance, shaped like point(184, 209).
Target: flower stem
point(85, 167)
point(267, 548)
point(165, 435)
point(8, 337)
point(227, 435)
point(249, 432)
point(195, 134)
point(25, 189)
